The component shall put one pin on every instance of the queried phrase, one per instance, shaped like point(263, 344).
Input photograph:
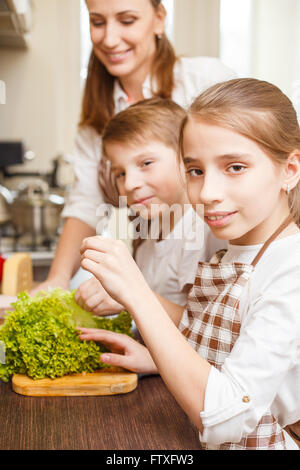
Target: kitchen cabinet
point(15, 23)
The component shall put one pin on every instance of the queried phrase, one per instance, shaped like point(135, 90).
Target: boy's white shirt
point(171, 264)
point(264, 364)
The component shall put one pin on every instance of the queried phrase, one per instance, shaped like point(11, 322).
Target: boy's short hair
point(153, 119)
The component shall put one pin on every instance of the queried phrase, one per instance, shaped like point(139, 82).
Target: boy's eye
point(236, 169)
point(120, 175)
point(147, 163)
point(195, 172)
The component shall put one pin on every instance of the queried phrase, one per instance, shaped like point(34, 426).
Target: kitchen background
point(44, 49)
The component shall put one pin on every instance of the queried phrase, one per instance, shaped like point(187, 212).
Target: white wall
point(43, 83)
point(275, 48)
point(196, 27)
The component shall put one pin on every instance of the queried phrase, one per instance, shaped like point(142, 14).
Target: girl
point(141, 144)
point(131, 60)
point(237, 347)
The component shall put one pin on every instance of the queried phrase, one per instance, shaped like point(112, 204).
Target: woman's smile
point(117, 57)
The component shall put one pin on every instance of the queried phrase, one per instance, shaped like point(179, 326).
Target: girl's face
point(238, 184)
point(123, 35)
point(148, 175)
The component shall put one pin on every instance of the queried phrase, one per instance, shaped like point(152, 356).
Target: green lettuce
point(41, 339)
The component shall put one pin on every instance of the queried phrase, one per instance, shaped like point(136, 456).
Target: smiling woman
point(129, 43)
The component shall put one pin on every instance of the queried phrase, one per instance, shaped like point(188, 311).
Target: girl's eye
point(236, 169)
point(195, 172)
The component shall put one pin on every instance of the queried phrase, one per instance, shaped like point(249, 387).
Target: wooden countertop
point(148, 418)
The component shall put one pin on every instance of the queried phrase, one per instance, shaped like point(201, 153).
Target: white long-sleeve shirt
point(192, 76)
point(264, 364)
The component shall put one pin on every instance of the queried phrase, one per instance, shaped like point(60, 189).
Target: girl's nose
point(212, 190)
point(111, 36)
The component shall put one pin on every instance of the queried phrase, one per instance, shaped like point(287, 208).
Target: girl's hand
point(112, 264)
point(125, 351)
point(91, 296)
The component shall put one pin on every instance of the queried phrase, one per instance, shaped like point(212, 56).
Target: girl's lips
point(219, 219)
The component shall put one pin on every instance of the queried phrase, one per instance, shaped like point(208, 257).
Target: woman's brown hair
point(98, 103)
point(255, 109)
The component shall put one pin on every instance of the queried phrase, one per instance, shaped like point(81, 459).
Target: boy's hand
point(125, 351)
point(91, 296)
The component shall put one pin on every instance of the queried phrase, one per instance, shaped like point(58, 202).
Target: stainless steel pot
point(35, 210)
point(4, 197)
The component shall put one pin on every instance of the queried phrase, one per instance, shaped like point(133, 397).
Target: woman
point(131, 60)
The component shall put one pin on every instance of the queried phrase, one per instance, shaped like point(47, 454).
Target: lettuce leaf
point(41, 339)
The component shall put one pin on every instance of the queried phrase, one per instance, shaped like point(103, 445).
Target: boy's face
point(148, 175)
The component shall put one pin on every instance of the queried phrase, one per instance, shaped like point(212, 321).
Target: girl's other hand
point(91, 296)
point(112, 264)
point(125, 351)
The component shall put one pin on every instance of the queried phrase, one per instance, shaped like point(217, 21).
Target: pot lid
point(37, 194)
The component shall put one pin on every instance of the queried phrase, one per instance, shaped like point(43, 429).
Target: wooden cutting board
point(110, 381)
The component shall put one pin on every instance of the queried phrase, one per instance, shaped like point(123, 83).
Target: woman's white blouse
point(264, 364)
point(192, 76)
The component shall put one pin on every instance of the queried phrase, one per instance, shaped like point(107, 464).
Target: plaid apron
point(211, 324)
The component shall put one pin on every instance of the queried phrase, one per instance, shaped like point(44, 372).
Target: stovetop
point(40, 249)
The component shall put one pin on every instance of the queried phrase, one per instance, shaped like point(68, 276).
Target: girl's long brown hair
point(255, 109)
point(98, 103)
